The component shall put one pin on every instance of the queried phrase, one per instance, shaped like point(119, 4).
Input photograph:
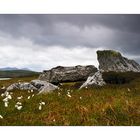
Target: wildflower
point(86, 87)
point(29, 97)
point(19, 97)
point(1, 117)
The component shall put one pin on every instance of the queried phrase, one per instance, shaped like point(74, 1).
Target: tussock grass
point(113, 105)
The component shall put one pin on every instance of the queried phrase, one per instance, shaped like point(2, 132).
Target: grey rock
point(21, 86)
point(67, 74)
point(110, 60)
point(43, 86)
point(96, 79)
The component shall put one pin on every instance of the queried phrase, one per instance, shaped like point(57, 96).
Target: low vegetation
point(108, 53)
point(111, 105)
point(119, 77)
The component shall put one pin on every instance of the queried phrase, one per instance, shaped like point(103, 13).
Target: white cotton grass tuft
point(6, 93)
point(18, 106)
point(69, 95)
point(1, 117)
point(33, 95)
point(11, 93)
point(128, 89)
point(9, 97)
point(28, 97)
point(80, 98)
point(40, 105)
point(5, 99)
point(6, 104)
point(18, 103)
point(32, 90)
point(2, 95)
point(28, 91)
point(43, 103)
point(19, 98)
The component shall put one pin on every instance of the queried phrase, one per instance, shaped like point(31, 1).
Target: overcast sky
point(41, 42)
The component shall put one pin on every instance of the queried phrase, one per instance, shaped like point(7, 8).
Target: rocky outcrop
point(68, 74)
point(21, 86)
point(43, 86)
point(110, 60)
point(96, 79)
point(37, 85)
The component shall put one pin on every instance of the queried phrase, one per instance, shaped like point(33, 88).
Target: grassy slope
point(17, 73)
point(109, 105)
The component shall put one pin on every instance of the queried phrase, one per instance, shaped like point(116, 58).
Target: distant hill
point(13, 68)
point(17, 73)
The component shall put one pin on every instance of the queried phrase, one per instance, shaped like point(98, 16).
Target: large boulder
point(37, 85)
point(67, 74)
point(96, 79)
point(43, 86)
point(110, 60)
point(21, 86)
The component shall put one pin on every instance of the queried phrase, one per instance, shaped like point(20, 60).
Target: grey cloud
point(119, 32)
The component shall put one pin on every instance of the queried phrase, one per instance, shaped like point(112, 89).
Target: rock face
point(43, 86)
point(110, 60)
point(96, 79)
point(68, 74)
point(21, 86)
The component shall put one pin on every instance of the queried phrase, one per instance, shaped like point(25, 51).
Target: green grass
point(107, 53)
point(113, 105)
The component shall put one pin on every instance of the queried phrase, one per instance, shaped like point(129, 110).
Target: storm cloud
point(44, 41)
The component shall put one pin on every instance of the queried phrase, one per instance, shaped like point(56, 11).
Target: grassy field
point(111, 105)
point(17, 73)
